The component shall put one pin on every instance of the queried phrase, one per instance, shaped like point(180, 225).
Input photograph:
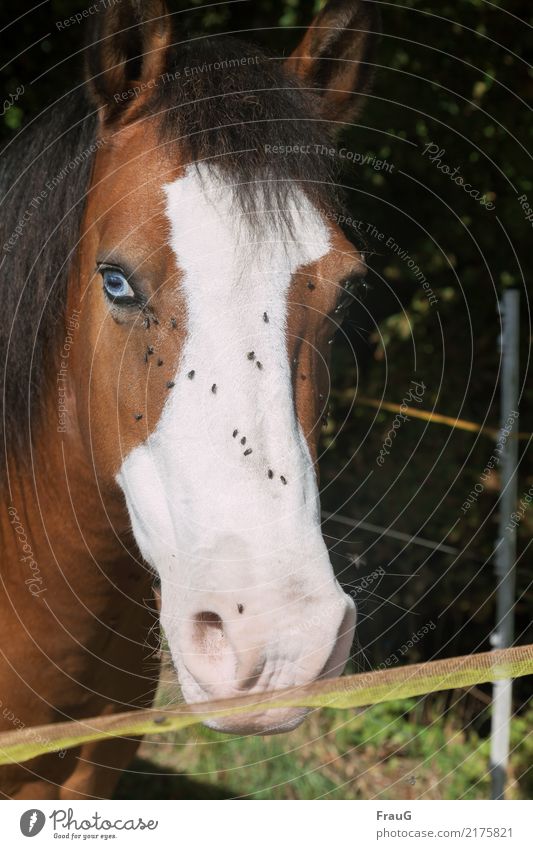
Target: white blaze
point(204, 514)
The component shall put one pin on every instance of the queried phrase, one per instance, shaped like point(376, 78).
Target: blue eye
point(116, 285)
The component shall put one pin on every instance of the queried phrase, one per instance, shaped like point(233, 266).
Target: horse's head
point(211, 272)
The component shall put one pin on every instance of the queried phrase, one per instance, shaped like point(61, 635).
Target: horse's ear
point(126, 54)
point(336, 56)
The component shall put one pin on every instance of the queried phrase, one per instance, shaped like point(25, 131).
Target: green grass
point(399, 750)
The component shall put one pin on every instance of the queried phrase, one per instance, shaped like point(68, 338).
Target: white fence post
point(505, 550)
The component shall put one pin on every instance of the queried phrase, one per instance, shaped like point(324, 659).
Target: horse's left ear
point(336, 56)
point(126, 55)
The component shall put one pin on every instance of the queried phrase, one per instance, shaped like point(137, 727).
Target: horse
point(173, 270)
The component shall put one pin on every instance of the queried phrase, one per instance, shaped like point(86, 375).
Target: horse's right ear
point(126, 53)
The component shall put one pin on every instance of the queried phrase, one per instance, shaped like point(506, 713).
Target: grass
point(406, 749)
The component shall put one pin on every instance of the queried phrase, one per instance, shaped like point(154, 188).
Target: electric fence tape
point(352, 691)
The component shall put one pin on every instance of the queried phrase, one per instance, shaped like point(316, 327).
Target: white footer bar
point(268, 825)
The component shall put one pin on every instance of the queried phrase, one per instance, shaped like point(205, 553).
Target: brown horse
point(172, 273)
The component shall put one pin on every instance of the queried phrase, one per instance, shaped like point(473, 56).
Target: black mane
point(225, 97)
point(219, 101)
point(44, 176)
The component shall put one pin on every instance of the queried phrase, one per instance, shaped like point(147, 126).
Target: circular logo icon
point(32, 822)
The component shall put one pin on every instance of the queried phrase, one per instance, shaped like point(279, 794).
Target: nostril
point(210, 619)
point(208, 631)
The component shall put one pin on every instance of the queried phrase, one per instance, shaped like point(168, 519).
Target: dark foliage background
point(457, 75)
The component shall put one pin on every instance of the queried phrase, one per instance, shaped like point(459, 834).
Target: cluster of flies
point(148, 320)
point(150, 351)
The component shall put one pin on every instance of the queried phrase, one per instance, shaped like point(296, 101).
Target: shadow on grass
point(145, 780)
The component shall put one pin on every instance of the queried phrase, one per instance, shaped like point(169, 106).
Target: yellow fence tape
point(437, 418)
point(349, 692)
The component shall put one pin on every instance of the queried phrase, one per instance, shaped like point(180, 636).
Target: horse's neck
point(74, 605)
